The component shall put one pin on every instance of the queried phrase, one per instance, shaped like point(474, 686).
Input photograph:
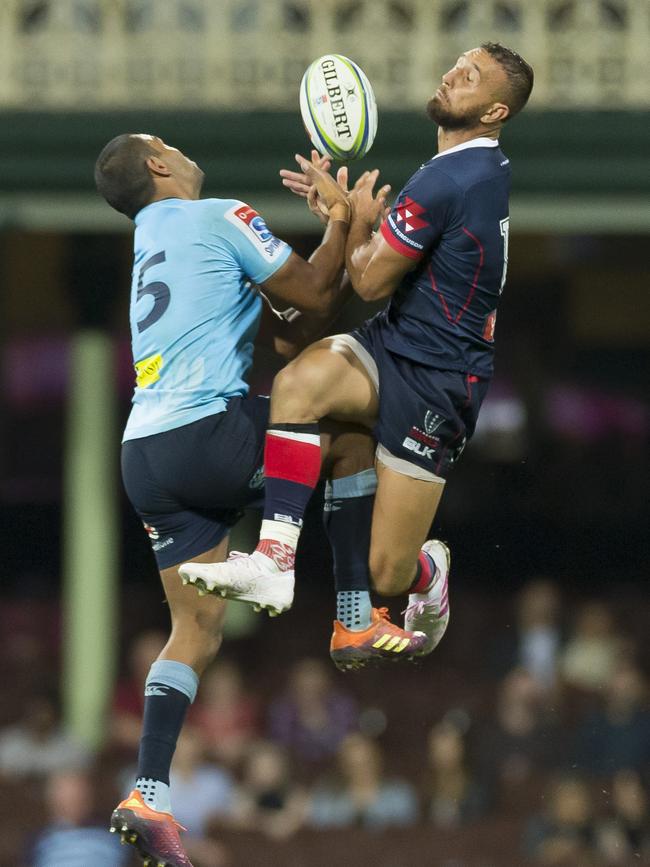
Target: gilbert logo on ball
point(338, 107)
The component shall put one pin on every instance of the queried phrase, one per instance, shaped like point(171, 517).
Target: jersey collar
point(481, 142)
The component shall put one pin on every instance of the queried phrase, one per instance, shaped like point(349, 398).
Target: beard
point(442, 114)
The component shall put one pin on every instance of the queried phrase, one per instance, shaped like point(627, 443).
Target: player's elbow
point(372, 290)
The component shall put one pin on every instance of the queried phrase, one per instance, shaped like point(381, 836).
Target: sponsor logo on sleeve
point(252, 225)
point(408, 216)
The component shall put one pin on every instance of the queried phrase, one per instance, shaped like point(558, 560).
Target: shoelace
point(234, 555)
point(420, 607)
point(384, 614)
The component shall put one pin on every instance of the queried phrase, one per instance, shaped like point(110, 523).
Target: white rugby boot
point(254, 578)
point(429, 612)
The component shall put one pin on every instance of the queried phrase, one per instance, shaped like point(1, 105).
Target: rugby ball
point(338, 107)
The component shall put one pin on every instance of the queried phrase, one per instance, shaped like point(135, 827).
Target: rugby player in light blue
point(192, 453)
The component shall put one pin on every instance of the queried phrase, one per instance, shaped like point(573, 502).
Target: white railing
point(250, 54)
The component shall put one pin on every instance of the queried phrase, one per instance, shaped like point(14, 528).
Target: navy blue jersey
point(452, 219)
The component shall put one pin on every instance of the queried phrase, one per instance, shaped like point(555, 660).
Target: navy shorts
point(426, 415)
point(189, 484)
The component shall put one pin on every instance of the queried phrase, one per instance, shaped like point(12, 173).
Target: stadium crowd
point(526, 740)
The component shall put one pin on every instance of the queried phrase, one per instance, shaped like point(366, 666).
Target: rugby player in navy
point(193, 444)
point(417, 373)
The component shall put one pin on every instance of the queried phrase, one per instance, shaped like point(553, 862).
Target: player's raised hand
point(366, 205)
point(331, 195)
point(316, 204)
point(297, 181)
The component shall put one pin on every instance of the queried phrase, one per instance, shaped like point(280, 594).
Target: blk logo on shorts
point(151, 532)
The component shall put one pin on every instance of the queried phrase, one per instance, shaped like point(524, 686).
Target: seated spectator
point(267, 799)
point(312, 717)
point(535, 642)
point(73, 836)
point(564, 835)
point(128, 702)
point(624, 836)
point(225, 714)
point(38, 744)
point(360, 794)
point(452, 796)
point(594, 650)
point(617, 736)
point(519, 743)
point(200, 791)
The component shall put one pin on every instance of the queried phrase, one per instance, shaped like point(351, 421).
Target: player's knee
point(389, 576)
point(297, 391)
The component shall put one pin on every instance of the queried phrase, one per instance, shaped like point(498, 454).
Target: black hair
point(122, 176)
point(519, 73)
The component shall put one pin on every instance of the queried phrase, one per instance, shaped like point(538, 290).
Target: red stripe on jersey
point(476, 275)
point(398, 245)
point(292, 460)
point(434, 286)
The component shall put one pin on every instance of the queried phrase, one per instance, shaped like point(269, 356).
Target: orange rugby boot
point(154, 834)
point(382, 640)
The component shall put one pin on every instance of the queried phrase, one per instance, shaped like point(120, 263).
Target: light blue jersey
point(194, 311)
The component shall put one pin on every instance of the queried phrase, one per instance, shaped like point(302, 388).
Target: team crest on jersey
point(252, 225)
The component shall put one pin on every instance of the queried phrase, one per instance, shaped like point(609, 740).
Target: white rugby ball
point(338, 107)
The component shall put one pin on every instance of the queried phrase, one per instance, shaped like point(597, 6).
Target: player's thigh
point(187, 608)
point(403, 513)
point(327, 379)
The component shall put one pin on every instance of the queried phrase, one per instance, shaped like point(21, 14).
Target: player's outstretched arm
point(313, 286)
point(375, 269)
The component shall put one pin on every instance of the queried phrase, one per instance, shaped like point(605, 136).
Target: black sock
point(348, 518)
point(165, 707)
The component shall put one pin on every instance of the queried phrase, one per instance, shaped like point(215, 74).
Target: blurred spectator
point(38, 744)
point(128, 703)
point(535, 642)
point(617, 736)
point(564, 835)
point(73, 836)
point(268, 800)
point(452, 796)
point(225, 714)
point(625, 835)
point(518, 743)
point(312, 718)
point(200, 791)
point(594, 650)
point(361, 794)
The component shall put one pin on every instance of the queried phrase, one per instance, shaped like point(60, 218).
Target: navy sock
point(348, 518)
point(170, 689)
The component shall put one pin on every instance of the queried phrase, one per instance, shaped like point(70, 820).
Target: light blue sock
point(354, 609)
